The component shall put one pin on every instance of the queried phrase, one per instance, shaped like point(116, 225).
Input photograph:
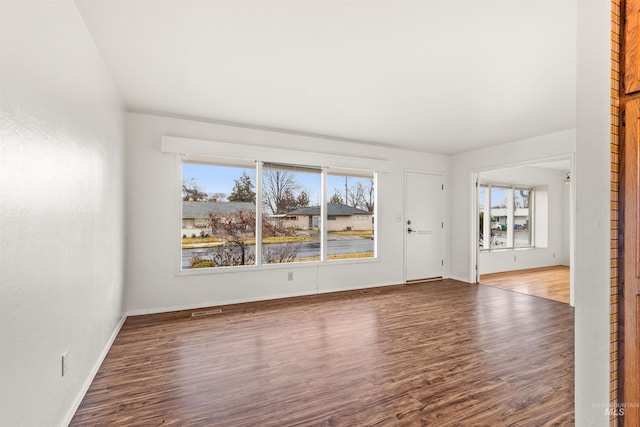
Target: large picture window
point(222, 207)
point(505, 217)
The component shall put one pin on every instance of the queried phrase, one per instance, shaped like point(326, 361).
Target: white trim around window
point(201, 150)
point(215, 153)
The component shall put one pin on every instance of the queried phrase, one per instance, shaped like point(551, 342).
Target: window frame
point(511, 210)
point(225, 163)
point(259, 263)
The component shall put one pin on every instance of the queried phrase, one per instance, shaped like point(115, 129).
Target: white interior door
point(423, 226)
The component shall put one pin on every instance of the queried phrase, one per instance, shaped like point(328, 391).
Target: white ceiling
point(441, 76)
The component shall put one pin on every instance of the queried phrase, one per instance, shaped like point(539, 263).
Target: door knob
point(410, 230)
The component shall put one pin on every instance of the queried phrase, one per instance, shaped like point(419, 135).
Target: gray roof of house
point(333, 209)
point(202, 209)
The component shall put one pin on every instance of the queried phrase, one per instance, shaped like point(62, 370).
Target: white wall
point(592, 273)
point(153, 220)
point(465, 165)
point(507, 260)
point(61, 212)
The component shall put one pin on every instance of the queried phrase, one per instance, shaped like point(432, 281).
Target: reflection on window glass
point(350, 209)
point(290, 214)
point(218, 216)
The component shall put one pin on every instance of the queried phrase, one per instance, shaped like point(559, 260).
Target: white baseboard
point(459, 279)
point(377, 285)
point(158, 310)
point(92, 374)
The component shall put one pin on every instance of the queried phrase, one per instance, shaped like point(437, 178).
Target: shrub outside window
point(218, 216)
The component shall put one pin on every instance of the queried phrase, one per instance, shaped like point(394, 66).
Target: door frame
point(627, 125)
point(474, 266)
point(442, 216)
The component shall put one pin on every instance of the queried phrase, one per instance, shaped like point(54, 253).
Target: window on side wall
point(505, 217)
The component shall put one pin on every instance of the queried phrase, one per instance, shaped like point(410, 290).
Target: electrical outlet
point(290, 276)
point(65, 363)
point(514, 258)
point(554, 254)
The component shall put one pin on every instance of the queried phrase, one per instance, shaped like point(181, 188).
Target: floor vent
point(205, 313)
point(370, 291)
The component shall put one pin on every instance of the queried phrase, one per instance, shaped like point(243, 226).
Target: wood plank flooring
point(443, 353)
point(546, 282)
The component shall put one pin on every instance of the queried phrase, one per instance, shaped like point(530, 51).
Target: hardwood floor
point(443, 353)
point(547, 282)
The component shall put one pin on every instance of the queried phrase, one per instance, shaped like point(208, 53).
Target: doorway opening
point(523, 234)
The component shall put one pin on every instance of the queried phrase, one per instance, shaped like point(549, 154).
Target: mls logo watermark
point(615, 409)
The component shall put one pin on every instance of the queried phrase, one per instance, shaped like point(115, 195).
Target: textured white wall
point(61, 179)
point(592, 273)
point(153, 221)
point(61, 212)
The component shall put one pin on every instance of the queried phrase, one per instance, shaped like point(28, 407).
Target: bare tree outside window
point(279, 190)
point(191, 191)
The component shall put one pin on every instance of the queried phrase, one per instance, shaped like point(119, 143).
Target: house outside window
point(505, 217)
point(351, 203)
point(285, 189)
point(218, 216)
